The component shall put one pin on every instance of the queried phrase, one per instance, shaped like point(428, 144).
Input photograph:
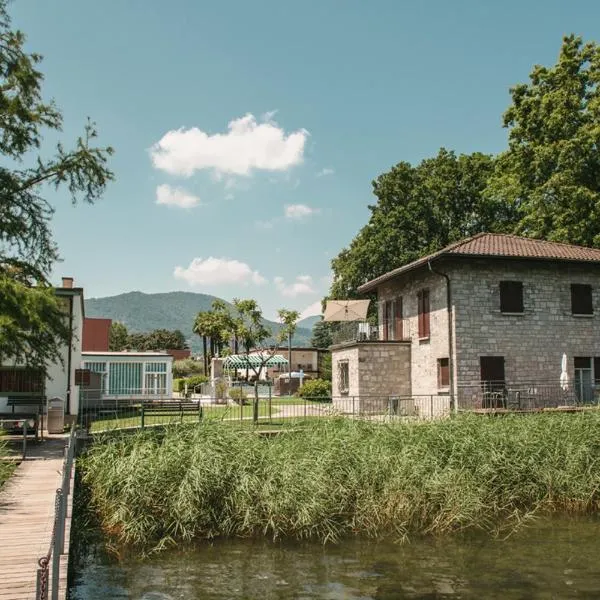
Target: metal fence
point(522, 396)
point(48, 573)
point(131, 413)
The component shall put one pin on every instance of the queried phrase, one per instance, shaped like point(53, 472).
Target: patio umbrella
point(564, 376)
point(346, 310)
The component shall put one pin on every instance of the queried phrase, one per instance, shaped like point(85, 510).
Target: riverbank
point(342, 477)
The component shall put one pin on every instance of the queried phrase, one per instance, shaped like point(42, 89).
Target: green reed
point(343, 477)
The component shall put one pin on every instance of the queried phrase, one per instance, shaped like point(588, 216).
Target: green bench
point(31, 411)
point(171, 409)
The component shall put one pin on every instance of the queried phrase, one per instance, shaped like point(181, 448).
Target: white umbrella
point(564, 376)
point(346, 310)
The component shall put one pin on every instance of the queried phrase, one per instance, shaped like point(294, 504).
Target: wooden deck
point(26, 519)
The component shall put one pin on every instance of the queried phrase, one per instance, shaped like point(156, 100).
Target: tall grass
point(6, 468)
point(344, 477)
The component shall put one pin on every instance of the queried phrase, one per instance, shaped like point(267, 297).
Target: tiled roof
point(498, 245)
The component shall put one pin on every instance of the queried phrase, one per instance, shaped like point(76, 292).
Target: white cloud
point(303, 284)
point(170, 196)
point(299, 211)
point(326, 171)
point(248, 145)
point(214, 271)
point(312, 310)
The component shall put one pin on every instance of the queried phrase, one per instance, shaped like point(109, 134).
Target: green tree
point(186, 367)
point(165, 339)
point(419, 210)
point(548, 177)
point(252, 334)
point(289, 320)
point(118, 337)
point(321, 335)
point(32, 323)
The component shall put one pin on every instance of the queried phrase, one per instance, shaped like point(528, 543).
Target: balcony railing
point(360, 331)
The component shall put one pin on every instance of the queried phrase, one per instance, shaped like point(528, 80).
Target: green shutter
point(125, 378)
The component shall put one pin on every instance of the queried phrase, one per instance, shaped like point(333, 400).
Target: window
point(581, 299)
point(423, 312)
point(100, 368)
point(583, 378)
point(511, 296)
point(21, 380)
point(443, 372)
point(343, 376)
point(155, 378)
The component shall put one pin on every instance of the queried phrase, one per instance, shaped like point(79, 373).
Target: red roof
point(498, 245)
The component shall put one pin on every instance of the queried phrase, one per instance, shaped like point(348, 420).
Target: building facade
point(130, 375)
point(490, 313)
point(60, 379)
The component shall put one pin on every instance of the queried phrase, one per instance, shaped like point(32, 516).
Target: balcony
point(360, 331)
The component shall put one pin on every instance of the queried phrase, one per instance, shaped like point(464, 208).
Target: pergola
point(253, 361)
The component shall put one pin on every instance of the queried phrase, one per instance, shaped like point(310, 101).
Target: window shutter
point(426, 313)
point(398, 322)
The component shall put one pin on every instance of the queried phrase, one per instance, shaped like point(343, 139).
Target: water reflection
point(553, 558)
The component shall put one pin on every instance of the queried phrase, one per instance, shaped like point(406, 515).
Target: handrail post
point(24, 439)
point(57, 543)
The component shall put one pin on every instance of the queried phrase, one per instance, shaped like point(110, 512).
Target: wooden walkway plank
point(26, 520)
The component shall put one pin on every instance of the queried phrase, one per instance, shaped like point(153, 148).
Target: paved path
point(26, 518)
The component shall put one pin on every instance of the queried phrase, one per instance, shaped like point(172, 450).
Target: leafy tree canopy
point(419, 209)
point(545, 185)
point(32, 318)
point(550, 174)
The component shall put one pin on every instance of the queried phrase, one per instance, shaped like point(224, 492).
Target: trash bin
point(56, 415)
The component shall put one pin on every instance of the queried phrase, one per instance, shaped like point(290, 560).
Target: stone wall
point(532, 343)
point(424, 352)
point(377, 370)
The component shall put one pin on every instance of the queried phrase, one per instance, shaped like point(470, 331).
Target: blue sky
point(247, 134)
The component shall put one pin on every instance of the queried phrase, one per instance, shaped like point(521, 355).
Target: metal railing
point(243, 409)
point(48, 578)
point(524, 396)
point(361, 331)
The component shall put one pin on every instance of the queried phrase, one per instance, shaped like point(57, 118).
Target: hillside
point(171, 310)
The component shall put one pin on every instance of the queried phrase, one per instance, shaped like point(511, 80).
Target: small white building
point(130, 375)
point(16, 380)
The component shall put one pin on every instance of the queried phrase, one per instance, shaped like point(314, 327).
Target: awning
point(241, 361)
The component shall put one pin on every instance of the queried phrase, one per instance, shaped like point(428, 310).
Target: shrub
point(315, 389)
point(194, 381)
point(187, 367)
point(238, 395)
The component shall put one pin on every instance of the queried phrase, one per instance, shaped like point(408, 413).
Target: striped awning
point(241, 361)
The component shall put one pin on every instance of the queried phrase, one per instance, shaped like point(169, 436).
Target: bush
point(187, 367)
point(194, 381)
point(315, 389)
point(238, 395)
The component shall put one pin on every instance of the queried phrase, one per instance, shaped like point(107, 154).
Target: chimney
point(67, 282)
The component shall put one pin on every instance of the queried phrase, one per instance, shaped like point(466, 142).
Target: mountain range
point(141, 312)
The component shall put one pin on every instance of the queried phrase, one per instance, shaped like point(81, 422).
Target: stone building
point(481, 323)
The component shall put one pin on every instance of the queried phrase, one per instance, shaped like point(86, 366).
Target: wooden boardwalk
point(26, 520)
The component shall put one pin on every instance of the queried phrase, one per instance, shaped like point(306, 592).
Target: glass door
point(583, 379)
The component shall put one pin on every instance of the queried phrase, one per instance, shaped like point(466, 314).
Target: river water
point(550, 558)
